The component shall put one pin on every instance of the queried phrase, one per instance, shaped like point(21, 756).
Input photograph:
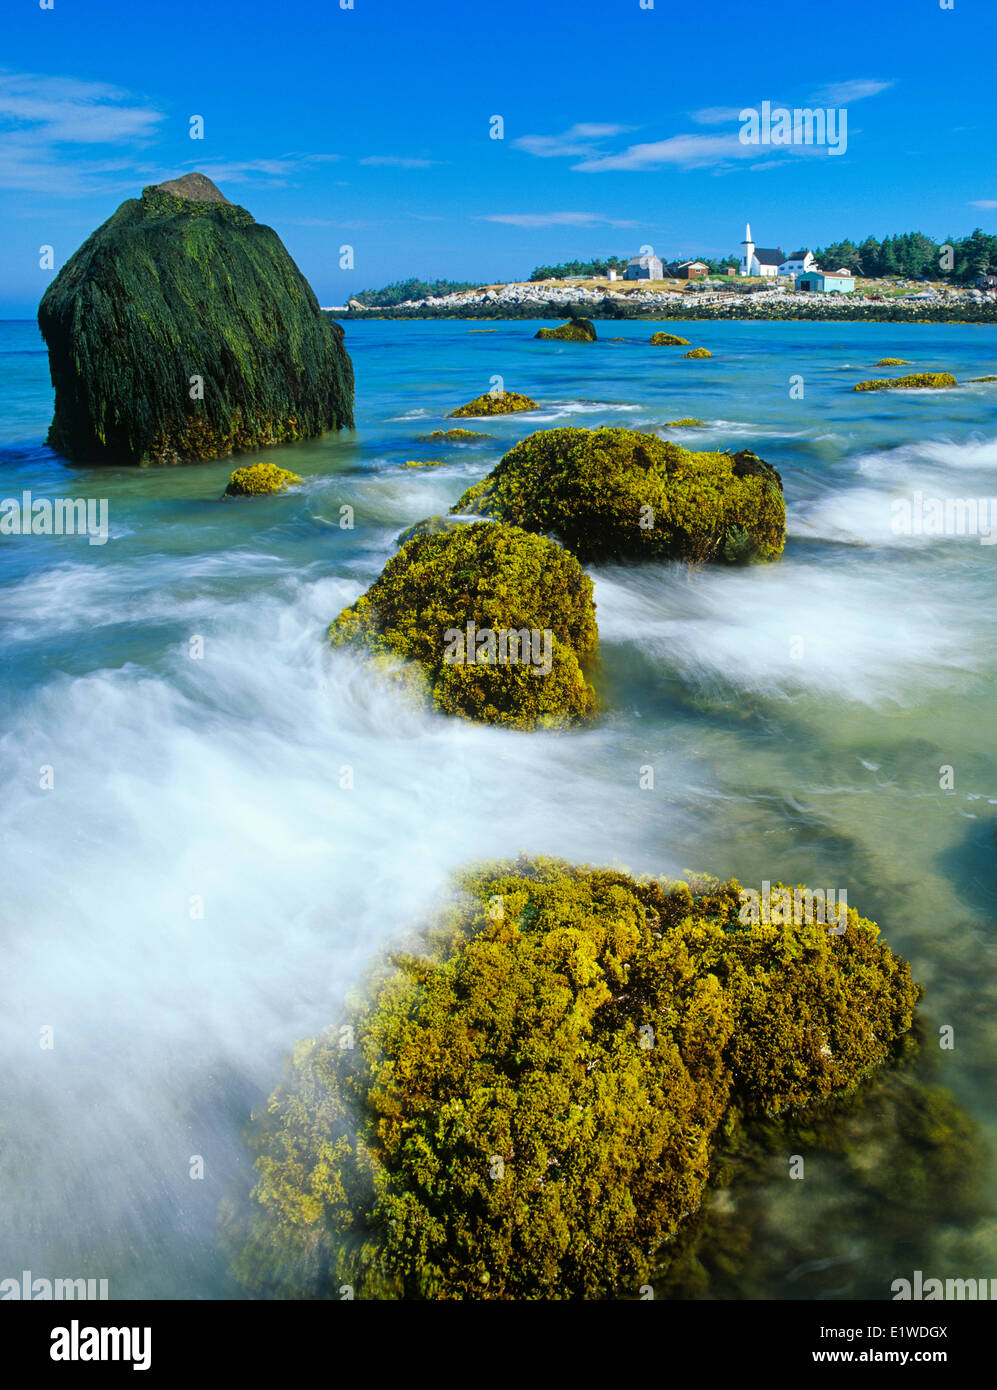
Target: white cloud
point(842, 93)
point(554, 219)
point(397, 161)
point(691, 152)
point(716, 115)
point(576, 142)
point(984, 203)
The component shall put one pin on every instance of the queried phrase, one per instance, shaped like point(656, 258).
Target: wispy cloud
point(269, 173)
point(45, 120)
point(691, 152)
point(397, 161)
point(574, 143)
point(844, 93)
point(984, 203)
point(715, 115)
point(554, 219)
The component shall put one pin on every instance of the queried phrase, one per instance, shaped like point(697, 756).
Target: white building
point(798, 263)
point(759, 260)
point(644, 268)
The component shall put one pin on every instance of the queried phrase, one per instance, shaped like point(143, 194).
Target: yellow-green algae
point(495, 403)
point(259, 478)
point(689, 422)
point(698, 352)
point(892, 362)
point(620, 494)
point(668, 340)
point(424, 463)
point(925, 380)
point(523, 1100)
point(500, 579)
point(574, 331)
point(452, 436)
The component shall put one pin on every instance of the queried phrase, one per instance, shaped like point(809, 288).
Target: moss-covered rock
point(615, 494)
point(892, 362)
point(495, 403)
point(574, 331)
point(523, 1101)
point(181, 330)
point(452, 436)
point(698, 352)
point(259, 478)
point(448, 588)
point(983, 378)
point(424, 463)
point(668, 340)
point(924, 380)
point(690, 422)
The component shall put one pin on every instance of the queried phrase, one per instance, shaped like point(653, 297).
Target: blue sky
point(370, 127)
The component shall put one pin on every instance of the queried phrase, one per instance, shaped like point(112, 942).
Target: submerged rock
point(182, 330)
point(616, 494)
point(668, 340)
point(259, 478)
point(575, 331)
point(538, 1081)
point(498, 621)
point(452, 436)
point(926, 380)
point(495, 403)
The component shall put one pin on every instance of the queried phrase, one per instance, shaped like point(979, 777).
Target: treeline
point(591, 270)
point(400, 290)
point(914, 256)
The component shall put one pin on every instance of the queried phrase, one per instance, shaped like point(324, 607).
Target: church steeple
point(748, 251)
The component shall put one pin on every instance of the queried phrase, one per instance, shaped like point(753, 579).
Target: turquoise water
point(197, 889)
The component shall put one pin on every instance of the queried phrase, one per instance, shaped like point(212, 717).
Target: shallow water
point(197, 889)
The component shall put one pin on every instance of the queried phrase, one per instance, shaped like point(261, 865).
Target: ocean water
point(197, 888)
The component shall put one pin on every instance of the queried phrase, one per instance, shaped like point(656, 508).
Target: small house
point(644, 268)
point(692, 270)
point(826, 282)
point(798, 263)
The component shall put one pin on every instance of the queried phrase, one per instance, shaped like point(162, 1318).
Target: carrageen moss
point(619, 494)
point(503, 580)
point(497, 403)
point(523, 1101)
point(575, 331)
point(259, 478)
point(925, 380)
point(668, 340)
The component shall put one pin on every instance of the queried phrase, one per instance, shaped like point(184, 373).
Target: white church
point(769, 261)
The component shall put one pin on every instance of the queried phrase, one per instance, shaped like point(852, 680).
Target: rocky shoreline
point(536, 301)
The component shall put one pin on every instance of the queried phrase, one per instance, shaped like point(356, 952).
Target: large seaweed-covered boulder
point(182, 330)
point(574, 331)
point(529, 1092)
point(497, 620)
point(616, 494)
